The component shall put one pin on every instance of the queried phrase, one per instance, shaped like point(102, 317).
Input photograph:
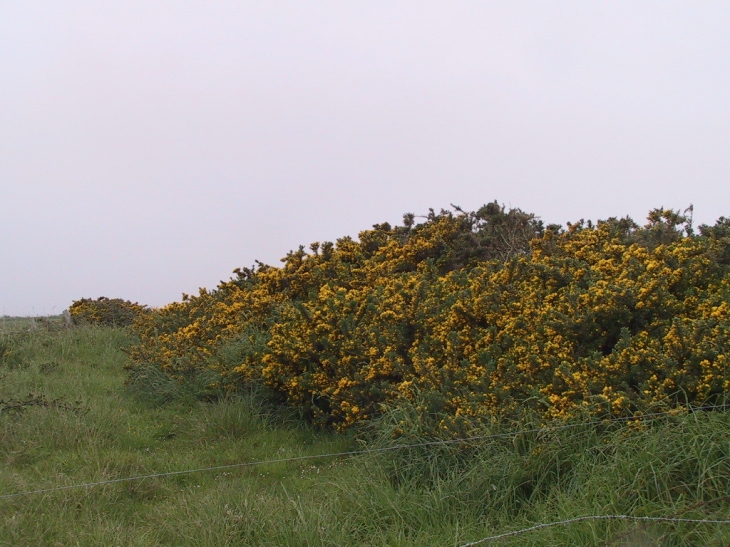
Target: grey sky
point(147, 148)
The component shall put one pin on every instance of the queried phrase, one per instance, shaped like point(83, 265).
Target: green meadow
point(69, 417)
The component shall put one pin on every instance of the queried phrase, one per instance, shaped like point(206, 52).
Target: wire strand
point(592, 517)
point(352, 452)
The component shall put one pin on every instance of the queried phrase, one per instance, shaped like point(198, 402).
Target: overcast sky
point(147, 148)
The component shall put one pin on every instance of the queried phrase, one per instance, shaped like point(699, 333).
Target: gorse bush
point(105, 311)
point(468, 316)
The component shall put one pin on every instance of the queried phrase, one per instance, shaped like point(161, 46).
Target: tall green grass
point(68, 418)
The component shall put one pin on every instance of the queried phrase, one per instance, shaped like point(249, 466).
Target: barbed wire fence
point(462, 440)
point(590, 517)
point(350, 453)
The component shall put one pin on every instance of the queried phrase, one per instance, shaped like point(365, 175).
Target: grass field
point(67, 418)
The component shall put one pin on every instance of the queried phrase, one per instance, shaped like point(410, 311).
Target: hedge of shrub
point(469, 316)
point(105, 311)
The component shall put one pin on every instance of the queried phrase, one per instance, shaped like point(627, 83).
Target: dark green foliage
point(720, 233)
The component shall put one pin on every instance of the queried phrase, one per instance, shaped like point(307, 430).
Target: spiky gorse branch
point(469, 316)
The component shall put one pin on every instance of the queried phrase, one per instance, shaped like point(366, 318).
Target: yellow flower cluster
point(591, 319)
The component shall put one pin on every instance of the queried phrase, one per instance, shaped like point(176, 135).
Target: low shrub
point(106, 311)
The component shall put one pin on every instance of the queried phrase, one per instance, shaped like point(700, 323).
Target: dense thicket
point(105, 311)
point(469, 316)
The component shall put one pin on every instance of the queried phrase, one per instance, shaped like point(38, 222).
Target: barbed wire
point(591, 517)
point(350, 453)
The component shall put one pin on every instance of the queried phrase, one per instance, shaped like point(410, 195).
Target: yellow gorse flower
point(607, 319)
